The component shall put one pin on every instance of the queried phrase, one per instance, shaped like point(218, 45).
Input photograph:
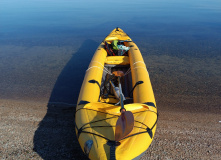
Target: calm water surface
point(46, 46)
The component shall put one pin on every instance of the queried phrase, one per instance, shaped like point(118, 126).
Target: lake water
point(46, 46)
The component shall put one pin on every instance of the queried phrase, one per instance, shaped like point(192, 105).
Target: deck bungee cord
point(112, 143)
point(115, 116)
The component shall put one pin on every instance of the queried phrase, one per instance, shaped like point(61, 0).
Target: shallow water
point(46, 46)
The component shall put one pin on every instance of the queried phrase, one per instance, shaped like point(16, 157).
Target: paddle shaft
point(125, 122)
point(121, 95)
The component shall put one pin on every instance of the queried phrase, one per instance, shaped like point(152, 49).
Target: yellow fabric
point(107, 114)
point(120, 60)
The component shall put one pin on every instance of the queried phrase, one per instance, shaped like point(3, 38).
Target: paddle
point(125, 122)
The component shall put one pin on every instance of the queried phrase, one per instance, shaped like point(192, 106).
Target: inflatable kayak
point(116, 112)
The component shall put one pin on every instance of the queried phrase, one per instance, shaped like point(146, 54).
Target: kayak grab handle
point(94, 81)
point(138, 83)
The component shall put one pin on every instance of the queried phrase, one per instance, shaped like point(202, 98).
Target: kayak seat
point(117, 60)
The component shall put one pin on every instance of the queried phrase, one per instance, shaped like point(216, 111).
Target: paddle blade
point(125, 125)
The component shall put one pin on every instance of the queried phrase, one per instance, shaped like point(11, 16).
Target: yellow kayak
point(102, 96)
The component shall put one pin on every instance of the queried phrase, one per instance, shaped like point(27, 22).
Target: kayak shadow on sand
point(55, 137)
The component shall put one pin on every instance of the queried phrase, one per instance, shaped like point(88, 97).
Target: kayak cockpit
point(116, 63)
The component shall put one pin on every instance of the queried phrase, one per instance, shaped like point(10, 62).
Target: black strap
point(112, 152)
point(113, 145)
point(83, 102)
point(150, 104)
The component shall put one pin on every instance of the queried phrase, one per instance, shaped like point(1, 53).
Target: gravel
point(36, 130)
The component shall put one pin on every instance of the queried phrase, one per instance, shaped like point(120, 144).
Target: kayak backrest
point(110, 52)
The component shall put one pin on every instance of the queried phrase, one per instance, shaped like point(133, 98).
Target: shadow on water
point(55, 137)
